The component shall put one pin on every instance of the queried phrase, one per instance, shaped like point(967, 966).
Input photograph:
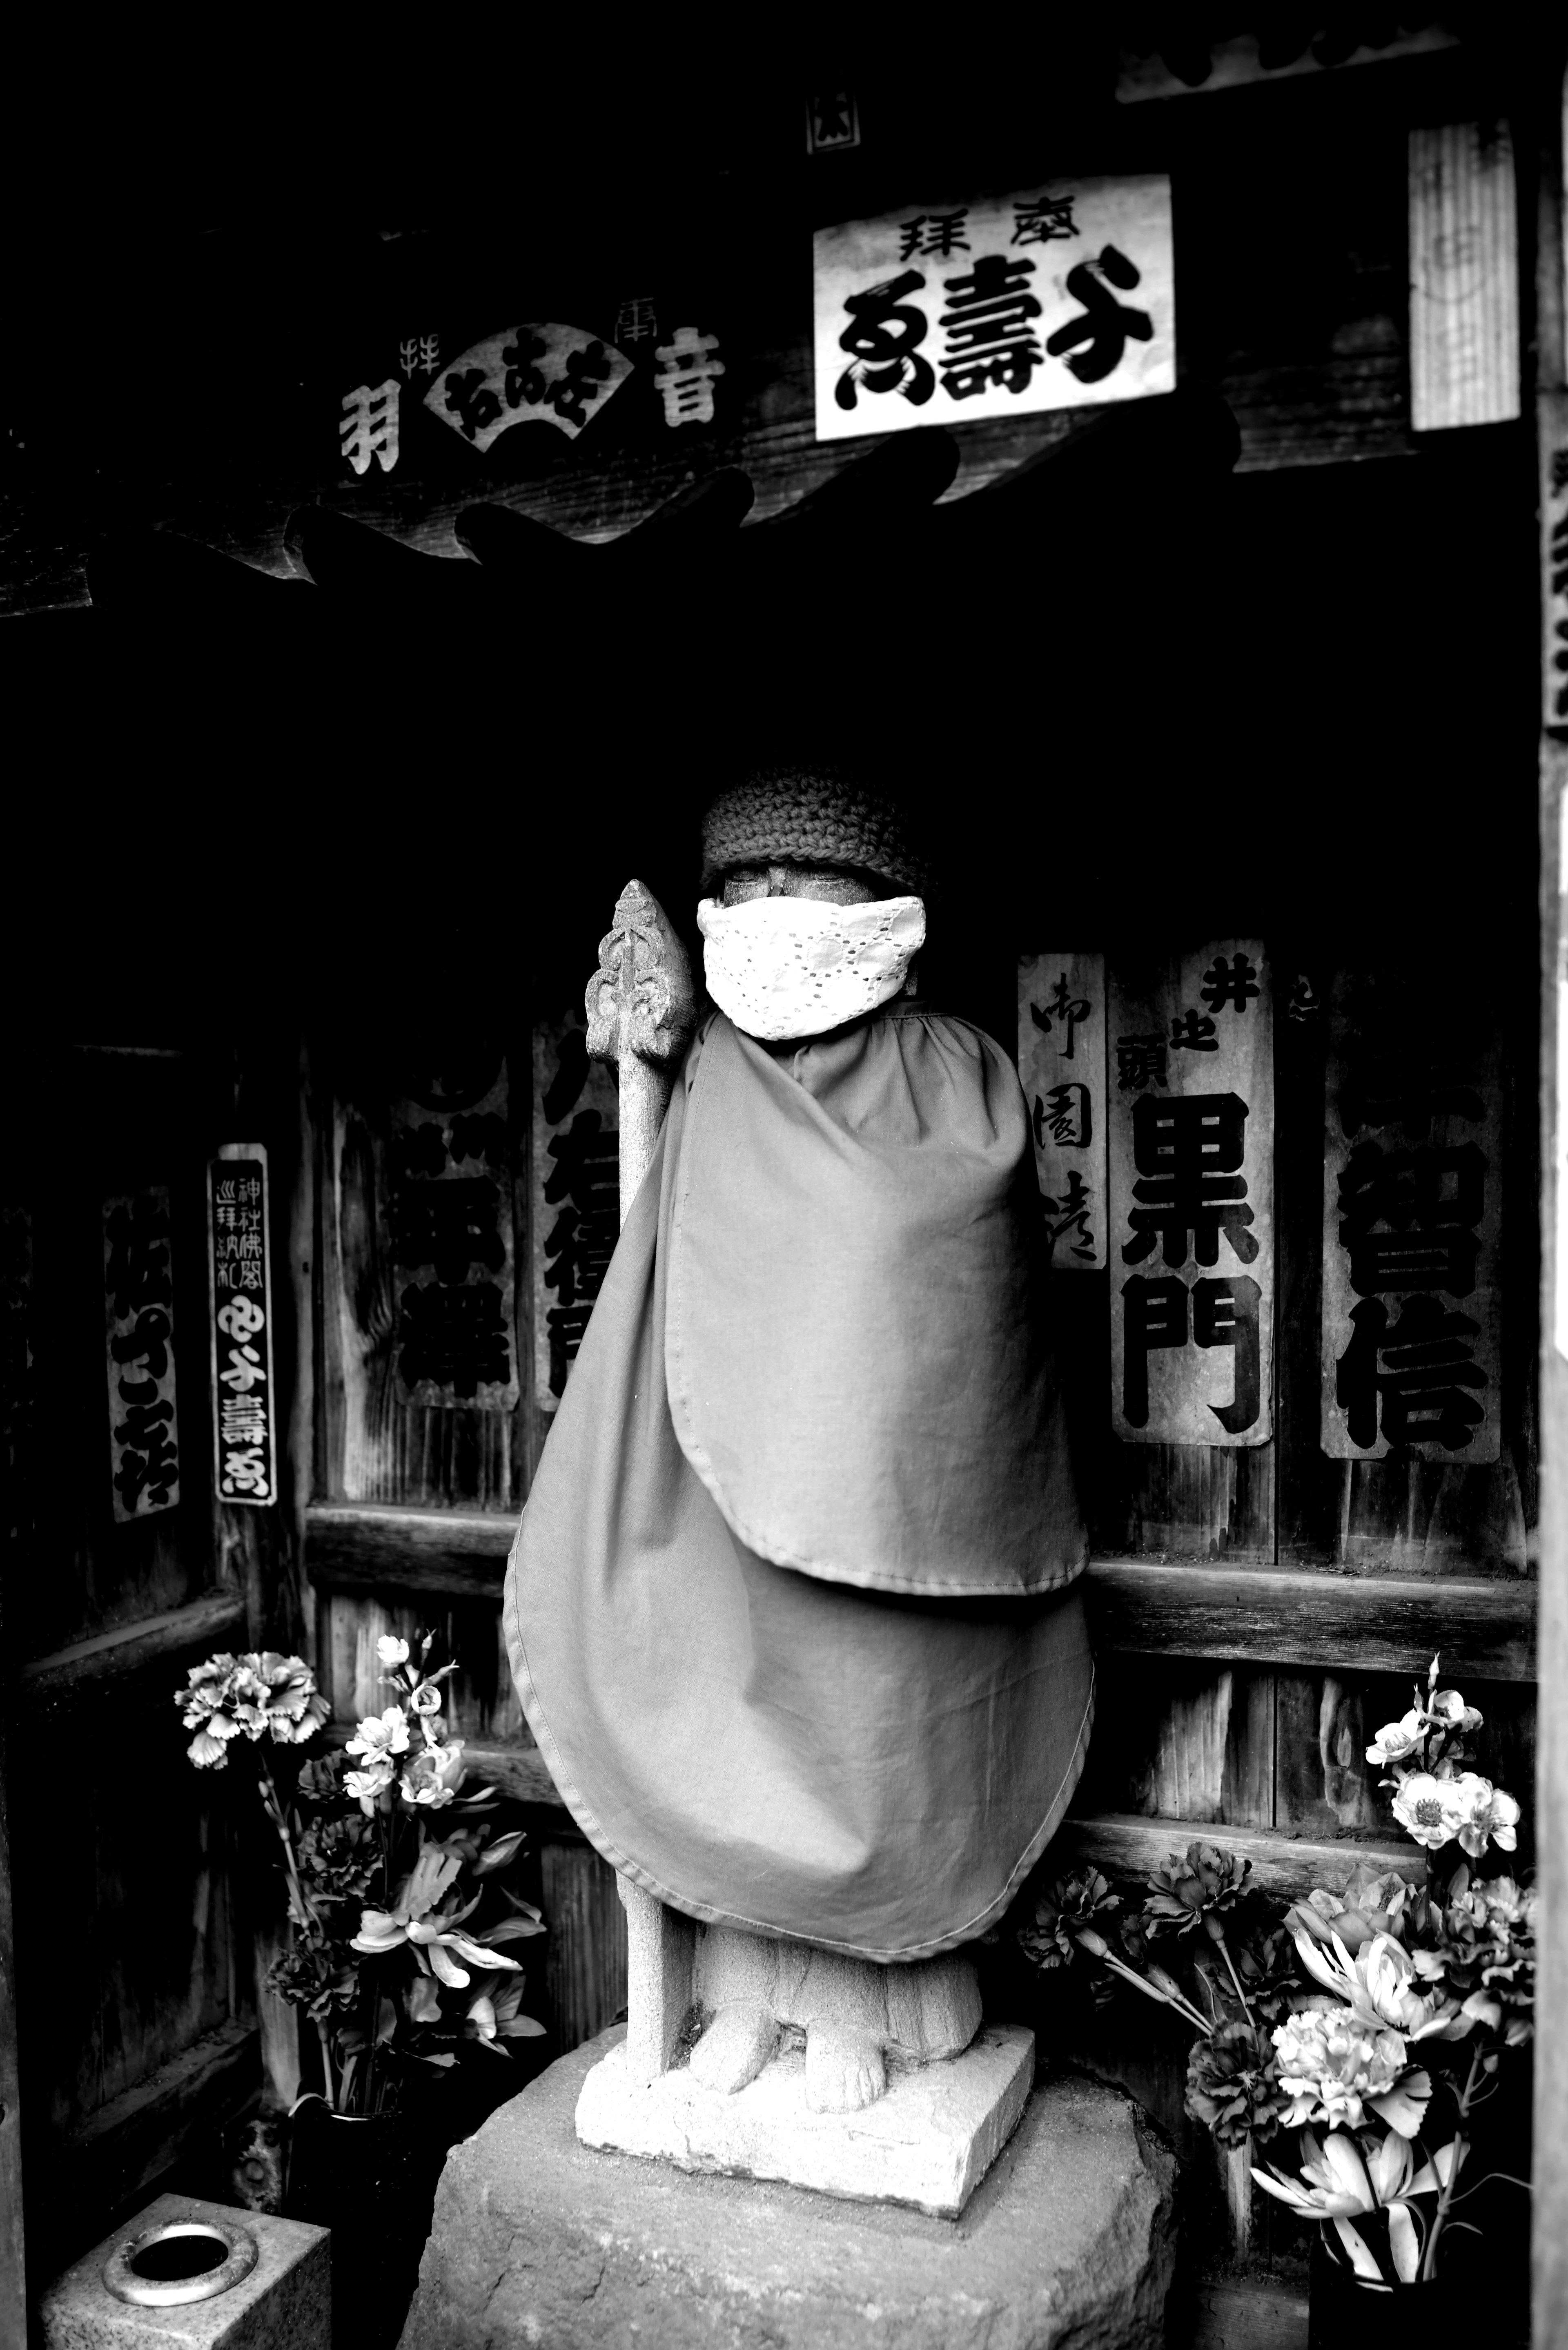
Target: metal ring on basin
point(237, 2244)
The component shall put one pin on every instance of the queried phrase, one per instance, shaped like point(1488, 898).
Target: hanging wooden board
point(138, 1294)
point(1061, 1065)
point(450, 1209)
point(244, 1416)
point(1190, 1078)
point(1412, 1201)
point(1464, 278)
point(575, 1193)
point(1050, 298)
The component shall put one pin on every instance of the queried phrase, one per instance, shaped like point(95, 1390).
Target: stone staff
point(641, 1012)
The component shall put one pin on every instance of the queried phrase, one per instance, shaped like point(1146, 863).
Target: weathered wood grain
point(585, 1954)
point(129, 2141)
point(1125, 1845)
point(165, 1641)
point(1244, 1614)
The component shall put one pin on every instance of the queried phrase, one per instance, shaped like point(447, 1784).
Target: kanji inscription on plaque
point(1191, 1086)
point(1061, 1065)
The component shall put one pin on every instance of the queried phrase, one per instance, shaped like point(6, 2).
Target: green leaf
point(510, 1929)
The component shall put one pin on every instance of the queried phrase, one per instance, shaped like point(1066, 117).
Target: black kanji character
point(884, 343)
point(449, 1225)
point(579, 387)
point(1067, 1115)
point(1229, 981)
point(935, 233)
point(989, 341)
point(471, 401)
point(149, 1461)
point(1390, 1098)
point(137, 1270)
point(1189, 1151)
point(1225, 1314)
point(479, 1134)
point(147, 1342)
point(454, 1335)
point(1155, 1315)
point(1106, 323)
point(416, 1150)
point(1192, 1032)
point(525, 384)
point(584, 1184)
point(1067, 1010)
point(1430, 1364)
point(1140, 1059)
point(1039, 220)
point(1427, 1201)
point(1069, 1213)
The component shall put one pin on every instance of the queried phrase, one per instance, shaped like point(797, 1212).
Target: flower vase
point(1343, 2304)
point(370, 2177)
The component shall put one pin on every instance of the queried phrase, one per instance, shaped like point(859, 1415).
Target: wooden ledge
point(1127, 1845)
point(217, 1621)
point(1316, 1618)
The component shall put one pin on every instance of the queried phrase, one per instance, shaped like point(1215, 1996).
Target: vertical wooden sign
point(1464, 278)
point(575, 1193)
point(1412, 1205)
point(1061, 1065)
point(138, 1294)
point(244, 1412)
point(454, 1259)
point(1190, 1078)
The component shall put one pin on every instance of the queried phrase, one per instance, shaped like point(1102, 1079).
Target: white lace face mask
point(795, 966)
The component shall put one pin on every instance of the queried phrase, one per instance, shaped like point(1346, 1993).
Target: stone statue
point(791, 1609)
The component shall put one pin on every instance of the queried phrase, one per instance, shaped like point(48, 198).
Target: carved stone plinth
point(927, 2141)
point(1068, 2241)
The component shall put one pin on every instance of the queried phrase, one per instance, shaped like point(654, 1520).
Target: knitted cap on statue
point(812, 816)
point(792, 1610)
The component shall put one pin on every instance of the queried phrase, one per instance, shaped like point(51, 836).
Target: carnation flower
point(1335, 2068)
point(1208, 1881)
point(1232, 2085)
point(1431, 1809)
point(250, 1696)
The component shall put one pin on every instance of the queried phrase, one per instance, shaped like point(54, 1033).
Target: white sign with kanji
point(1056, 297)
point(1190, 1078)
point(1412, 1207)
point(1061, 1065)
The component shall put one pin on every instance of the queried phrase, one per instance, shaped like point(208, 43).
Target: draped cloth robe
point(791, 1609)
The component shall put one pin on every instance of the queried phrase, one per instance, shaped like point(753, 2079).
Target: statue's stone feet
point(844, 2069)
point(735, 2046)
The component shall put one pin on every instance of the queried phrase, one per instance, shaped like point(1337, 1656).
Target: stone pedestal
point(929, 2141)
point(539, 2239)
point(274, 2287)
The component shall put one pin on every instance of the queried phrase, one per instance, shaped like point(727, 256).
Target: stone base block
point(929, 2141)
point(541, 2239)
point(281, 2300)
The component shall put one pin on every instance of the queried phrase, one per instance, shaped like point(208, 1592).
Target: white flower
point(426, 1698)
point(1488, 1815)
point(391, 1651)
point(434, 1777)
point(380, 1735)
point(366, 1785)
point(1430, 1809)
point(1449, 1708)
point(1338, 2069)
point(1397, 1740)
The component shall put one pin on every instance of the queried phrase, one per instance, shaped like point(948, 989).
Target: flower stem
point(1461, 2148)
point(1225, 1953)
